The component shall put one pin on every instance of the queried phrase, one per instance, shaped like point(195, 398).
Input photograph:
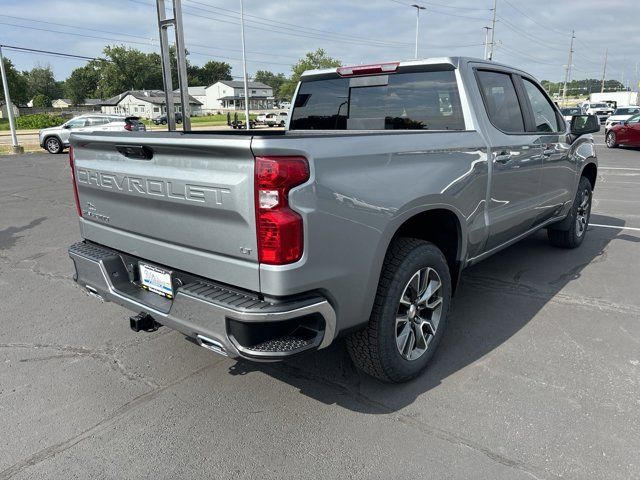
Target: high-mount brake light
point(356, 70)
point(279, 228)
point(72, 164)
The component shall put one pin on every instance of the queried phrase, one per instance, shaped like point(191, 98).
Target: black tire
point(282, 123)
point(163, 122)
point(572, 235)
point(53, 145)
point(376, 350)
point(611, 140)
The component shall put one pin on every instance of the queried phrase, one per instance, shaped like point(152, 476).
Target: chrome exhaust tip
point(210, 344)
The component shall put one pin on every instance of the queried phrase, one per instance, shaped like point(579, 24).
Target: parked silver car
point(56, 139)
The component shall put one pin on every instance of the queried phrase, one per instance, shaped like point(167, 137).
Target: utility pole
point(567, 72)
point(493, 30)
point(418, 8)
point(604, 70)
point(486, 42)
point(244, 65)
point(16, 148)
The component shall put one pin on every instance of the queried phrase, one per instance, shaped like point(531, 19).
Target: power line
point(208, 55)
point(305, 33)
point(431, 10)
point(49, 52)
point(148, 38)
point(277, 23)
point(533, 19)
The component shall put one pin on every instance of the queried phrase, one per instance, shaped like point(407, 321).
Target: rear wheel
point(409, 313)
point(53, 145)
point(611, 140)
point(573, 235)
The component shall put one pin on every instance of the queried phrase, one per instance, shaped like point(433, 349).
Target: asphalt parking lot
point(538, 374)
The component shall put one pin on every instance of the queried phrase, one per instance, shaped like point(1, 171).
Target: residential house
point(229, 95)
point(146, 104)
point(3, 110)
point(67, 103)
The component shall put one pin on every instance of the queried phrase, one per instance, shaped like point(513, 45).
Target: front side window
point(543, 111)
point(400, 101)
point(501, 101)
point(77, 123)
point(634, 119)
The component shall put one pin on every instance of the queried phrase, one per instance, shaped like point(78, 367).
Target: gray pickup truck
point(355, 221)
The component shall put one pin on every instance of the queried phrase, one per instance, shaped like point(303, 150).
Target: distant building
point(229, 95)
point(3, 110)
point(199, 93)
point(67, 103)
point(146, 104)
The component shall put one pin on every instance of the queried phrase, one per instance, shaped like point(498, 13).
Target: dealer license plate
point(156, 280)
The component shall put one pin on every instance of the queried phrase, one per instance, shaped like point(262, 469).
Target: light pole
point(244, 66)
point(486, 42)
point(418, 8)
point(7, 99)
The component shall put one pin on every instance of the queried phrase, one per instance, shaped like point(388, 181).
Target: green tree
point(41, 81)
point(18, 88)
point(83, 82)
point(275, 81)
point(128, 69)
point(582, 88)
point(41, 101)
point(210, 73)
point(310, 61)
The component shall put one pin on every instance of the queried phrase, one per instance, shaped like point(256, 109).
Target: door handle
point(503, 157)
point(548, 153)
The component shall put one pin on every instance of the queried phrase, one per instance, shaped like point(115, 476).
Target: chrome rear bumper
point(221, 319)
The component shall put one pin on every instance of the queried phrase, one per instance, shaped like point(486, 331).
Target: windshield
point(401, 101)
point(599, 105)
point(571, 111)
point(627, 111)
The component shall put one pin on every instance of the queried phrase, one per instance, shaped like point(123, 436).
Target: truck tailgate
point(185, 202)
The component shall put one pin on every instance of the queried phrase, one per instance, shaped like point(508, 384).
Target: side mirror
point(66, 126)
point(583, 124)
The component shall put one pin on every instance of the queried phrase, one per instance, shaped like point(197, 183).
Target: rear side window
point(401, 101)
point(543, 111)
point(501, 101)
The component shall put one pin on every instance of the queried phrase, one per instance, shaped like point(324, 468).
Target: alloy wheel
point(418, 313)
point(582, 215)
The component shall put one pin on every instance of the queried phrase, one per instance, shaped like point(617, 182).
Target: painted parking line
point(620, 168)
point(614, 226)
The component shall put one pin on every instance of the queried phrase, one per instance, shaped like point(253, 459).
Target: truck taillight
point(279, 228)
point(73, 179)
point(128, 126)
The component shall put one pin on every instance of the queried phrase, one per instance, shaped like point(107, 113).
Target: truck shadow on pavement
point(494, 301)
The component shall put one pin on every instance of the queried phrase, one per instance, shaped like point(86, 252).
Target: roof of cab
point(454, 61)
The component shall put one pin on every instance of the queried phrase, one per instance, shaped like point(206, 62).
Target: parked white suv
point(620, 115)
point(56, 139)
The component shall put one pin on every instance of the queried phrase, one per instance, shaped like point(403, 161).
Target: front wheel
point(573, 234)
point(611, 140)
point(53, 145)
point(409, 313)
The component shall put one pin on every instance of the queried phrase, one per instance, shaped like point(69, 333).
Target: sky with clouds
point(531, 34)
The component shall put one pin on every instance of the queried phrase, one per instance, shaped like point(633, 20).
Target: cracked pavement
point(537, 376)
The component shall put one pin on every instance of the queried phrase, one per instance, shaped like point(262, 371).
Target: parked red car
point(626, 133)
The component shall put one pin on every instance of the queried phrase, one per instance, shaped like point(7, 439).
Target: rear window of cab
point(399, 101)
